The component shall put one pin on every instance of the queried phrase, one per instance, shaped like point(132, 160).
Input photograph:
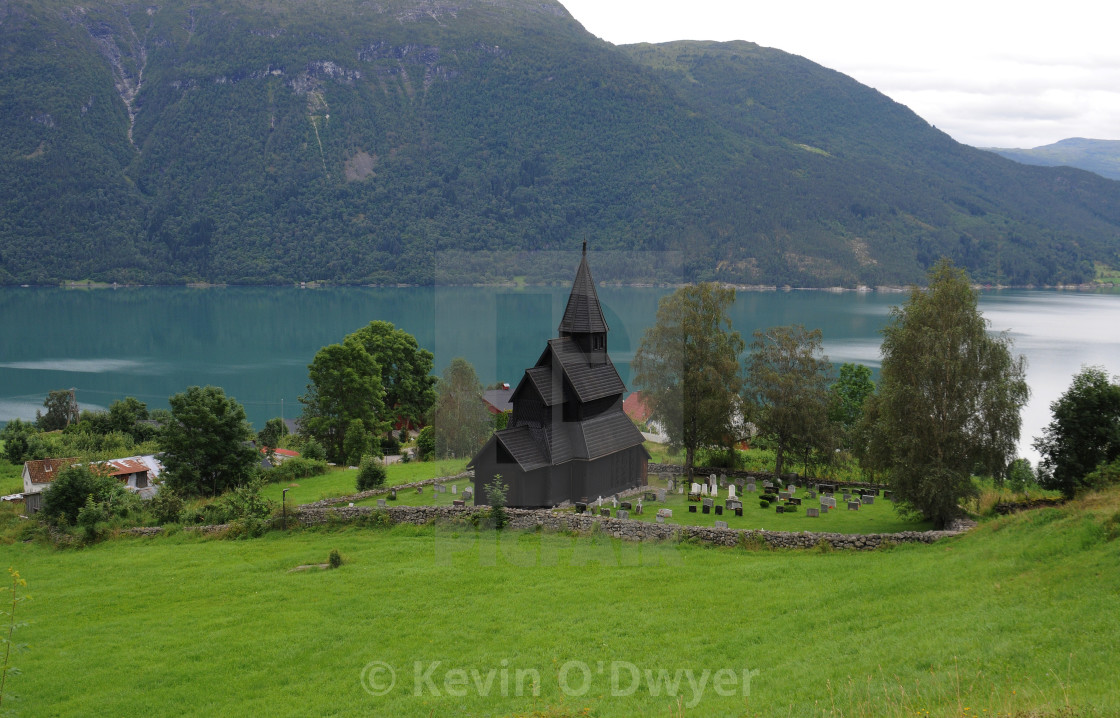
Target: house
point(568, 438)
point(37, 476)
point(497, 400)
point(137, 473)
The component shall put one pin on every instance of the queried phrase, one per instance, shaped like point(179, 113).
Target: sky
point(990, 73)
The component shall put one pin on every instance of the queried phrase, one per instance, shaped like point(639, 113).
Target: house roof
point(636, 407)
point(498, 399)
point(522, 447)
point(281, 452)
point(122, 467)
point(584, 314)
point(43, 471)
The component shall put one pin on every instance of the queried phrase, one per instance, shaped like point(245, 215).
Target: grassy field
point(1017, 618)
point(341, 482)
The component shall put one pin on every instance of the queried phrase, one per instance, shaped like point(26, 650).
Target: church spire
point(583, 319)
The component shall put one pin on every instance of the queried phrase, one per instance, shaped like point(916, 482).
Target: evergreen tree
point(1084, 433)
point(205, 443)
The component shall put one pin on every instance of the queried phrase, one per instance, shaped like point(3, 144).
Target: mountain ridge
point(360, 142)
point(1100, 157)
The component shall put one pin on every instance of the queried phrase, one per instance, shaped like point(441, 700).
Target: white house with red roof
point(137, 473)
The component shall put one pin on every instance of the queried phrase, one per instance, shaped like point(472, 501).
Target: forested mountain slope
point(244, 142)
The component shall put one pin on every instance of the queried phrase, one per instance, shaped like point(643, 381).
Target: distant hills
point(411, 140)
point(1100, 156)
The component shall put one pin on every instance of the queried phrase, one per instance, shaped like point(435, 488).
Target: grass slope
point(1016, 618)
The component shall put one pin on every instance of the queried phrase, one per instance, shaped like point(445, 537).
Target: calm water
point(257, 342)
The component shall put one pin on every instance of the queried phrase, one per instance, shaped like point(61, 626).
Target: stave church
point(568, 438)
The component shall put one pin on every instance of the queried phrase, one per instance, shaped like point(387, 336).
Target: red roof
point(636, 407)
point(122, 467)
point(43, 471)
point(281, 452)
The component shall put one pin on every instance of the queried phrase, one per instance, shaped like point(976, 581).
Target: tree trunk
point(778, 460)
point(688, 454)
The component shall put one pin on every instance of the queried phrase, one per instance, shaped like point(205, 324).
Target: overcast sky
point(989, 73)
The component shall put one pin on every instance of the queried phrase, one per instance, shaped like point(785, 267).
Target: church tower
point(583, 320)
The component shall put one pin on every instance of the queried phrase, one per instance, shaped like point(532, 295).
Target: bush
point(764, 503)
point(1104, 476)
point(166, 506)
point(299, 467)
point(91, 518)
point(496, 492)
point(67, 494)
point(334, 559)
point(314, 450)
point(371, 473)
point(1019, 475)
point(426, 444)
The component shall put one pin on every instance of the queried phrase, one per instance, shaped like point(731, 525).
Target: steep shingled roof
point(43, 471)
point(583, 315)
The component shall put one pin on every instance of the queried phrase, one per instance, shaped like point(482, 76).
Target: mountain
point(1100, 156)
point(414, 140)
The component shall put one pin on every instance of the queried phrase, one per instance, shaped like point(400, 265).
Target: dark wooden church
point(568, 438)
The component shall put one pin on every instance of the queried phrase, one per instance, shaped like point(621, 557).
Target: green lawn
point(342, 482)
point(1016, 617)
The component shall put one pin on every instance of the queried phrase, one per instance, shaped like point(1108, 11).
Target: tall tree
point(205, 443)
point(687, 367)
point(62, 411)
point(949, 396)
point(345, 384)
point(1084, 433)
point(462, 422)
point(274, 430)
point(786, 391)
point(847, 397)
point(406, 369)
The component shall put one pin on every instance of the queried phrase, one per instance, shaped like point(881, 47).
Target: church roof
point(590, 381)
point(522, 447)
point(583, 315)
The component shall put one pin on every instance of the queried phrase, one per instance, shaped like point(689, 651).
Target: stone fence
point(628, 529)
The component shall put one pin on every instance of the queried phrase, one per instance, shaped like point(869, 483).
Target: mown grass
point(1016, 618)
point(343, 481)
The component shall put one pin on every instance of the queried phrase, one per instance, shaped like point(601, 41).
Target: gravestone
point(792, 488)
point(751, 487)
point(665, 513)
point(381, 503)
point(706, 509)
point(847, 497)
point(468, 494)
point(639, 510)
point(649, 496)
point(721, 524)
point(604, 511)
point(731, 491)
point(458, 502)
point(888, 496)
point(419, 489)
point(784, 495)
point(708, 502)
point(719, 511)
point(671, 485)
point(853, 506)
point(812, 494)
point(704, 489)
point(680, 490)
point(623, 514)
point(660, 519)
point(795, 501)
point(695, 488)
point(661, 494)
point(779, 510)
point(813, 513)
point(867, 499)
point(738, 510)
point(614, 502)
point(692, 508)
point(824, 510)
point(625, 505)
point(454, 488)
point(580, 507)
point(393, 495)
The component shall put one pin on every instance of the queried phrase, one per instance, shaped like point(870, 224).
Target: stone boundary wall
point(382, 490)
point(703, 472)
point(1016, 506)
point(631, 529)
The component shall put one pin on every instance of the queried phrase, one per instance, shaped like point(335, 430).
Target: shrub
point(1104, 476)
point(426, 444)
point(91, 518)
point(243, 502)
point(335, 559)
point(1020, 475)
point(67, 494)
point(314, 450)
point(166, 506)
point(496, 492)
point(763, 503)
point(371, 473)
point(299, 467)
